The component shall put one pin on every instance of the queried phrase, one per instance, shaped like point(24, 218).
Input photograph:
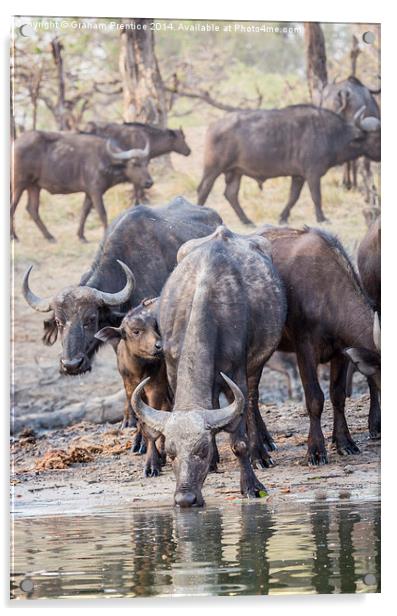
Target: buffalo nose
point(72, 364)
point(148, 183)
point(185, 499)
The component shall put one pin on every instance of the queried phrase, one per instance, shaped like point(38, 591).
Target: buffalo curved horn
point(370, 124)
point(128, 154)
point(115, 299)
point(376, 332)
point(218, 418)
point(35, 302)
point(155, 420)
point(367, 124)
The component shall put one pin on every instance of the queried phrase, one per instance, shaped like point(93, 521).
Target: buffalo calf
point(138, 347)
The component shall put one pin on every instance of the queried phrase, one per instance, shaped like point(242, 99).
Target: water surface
point(239, 549)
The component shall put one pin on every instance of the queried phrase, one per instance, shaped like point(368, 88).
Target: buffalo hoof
point(83, 240)
point(253, 488)
point(138, 444)
point(323, 219)
point(151, 470)
point(375, 436)
point(260, 457)
point(51, 239)
point(316, 456)
point(128, 422)
point(345, 446)
point(283, 220)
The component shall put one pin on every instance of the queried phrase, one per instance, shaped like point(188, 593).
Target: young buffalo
point(138, 347)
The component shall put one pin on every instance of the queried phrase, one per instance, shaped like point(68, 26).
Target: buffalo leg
point(205, 186)
point(314, 182)
point(337, 391)
point(346, 176)
point(250, 485)
point(307, 363)
point(233, 181)
point(354, 173)
point(258, 435)
point(155, 458)
point(294, 192)
point(97, 202)
point(374, 423)
point(33, 209)
point(87, 207)
point(16, 195)
point(153, 462)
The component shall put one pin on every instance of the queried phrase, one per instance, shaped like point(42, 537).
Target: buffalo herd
point(193, 310)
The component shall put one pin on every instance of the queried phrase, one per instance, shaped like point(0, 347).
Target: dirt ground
point(95, 470)
point(63, 411)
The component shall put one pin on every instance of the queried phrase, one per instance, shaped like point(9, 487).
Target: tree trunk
point(143, 88)
point(60, 108)
point(354, 53)
point(316, 61)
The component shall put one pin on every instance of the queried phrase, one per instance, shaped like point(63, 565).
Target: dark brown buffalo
point(369, 264)
point(139, 350)
point(222, 311)
point(328, 312)
point(301, 141)
point(65, 163)
point(369, 267)
point(347, 97)
point(146, 240)
point(161, 140)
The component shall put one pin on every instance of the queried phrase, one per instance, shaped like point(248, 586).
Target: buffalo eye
point(90, 322)
point(202, 451)
point(59, 323)
point(136, 332)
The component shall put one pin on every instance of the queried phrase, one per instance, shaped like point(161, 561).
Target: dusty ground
point(109, 475)
point(43, 399)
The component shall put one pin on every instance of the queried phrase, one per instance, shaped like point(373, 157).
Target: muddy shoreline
point(109, 476)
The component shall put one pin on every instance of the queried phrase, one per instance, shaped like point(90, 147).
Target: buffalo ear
point(367, 362)
point(50, 331)
point(113, 335)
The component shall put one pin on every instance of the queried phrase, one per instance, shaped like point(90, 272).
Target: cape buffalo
point(369, 267)
point(161, 141)
point(222, 311)
point(65, 163)
point(146, 240)
point(346, 98)
point(301, 141)
point(139, 350)
point(369, 264)
point(328, 312)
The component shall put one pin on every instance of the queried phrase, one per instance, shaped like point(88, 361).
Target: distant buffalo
point(65, 163)
point(161, 140)
point(346, 98)
point(301, 141)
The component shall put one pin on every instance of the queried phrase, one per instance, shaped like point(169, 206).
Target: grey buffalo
point(65, 163)
point(301, 141)
point(347, 97)
point(221, 315)
point(161, 140)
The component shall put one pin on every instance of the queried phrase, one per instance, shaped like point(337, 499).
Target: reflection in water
point(240, 549)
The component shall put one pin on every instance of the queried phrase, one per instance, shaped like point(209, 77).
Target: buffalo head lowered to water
point(189, 438)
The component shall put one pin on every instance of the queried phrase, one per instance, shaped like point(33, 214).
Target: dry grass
point(63, 263)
